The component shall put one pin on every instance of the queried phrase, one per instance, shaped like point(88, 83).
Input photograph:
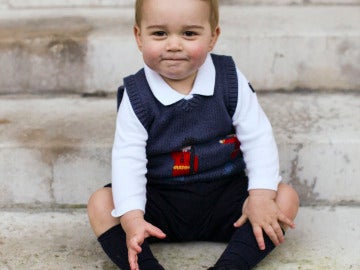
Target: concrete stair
point(325, 239)
point(55, 151)
point(60, 67)
point(91, 50)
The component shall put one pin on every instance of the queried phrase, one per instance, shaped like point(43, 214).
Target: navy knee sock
point(113, 243)
point(242, 252)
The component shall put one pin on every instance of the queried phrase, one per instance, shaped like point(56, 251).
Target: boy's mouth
point(174, 58)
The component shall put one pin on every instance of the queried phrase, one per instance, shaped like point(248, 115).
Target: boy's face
point(175, 37)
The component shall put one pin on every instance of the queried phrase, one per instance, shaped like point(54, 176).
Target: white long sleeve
point(128, 161)
point(255, 134)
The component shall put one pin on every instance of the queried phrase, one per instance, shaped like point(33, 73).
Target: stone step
point(55, 151)
point(23, 4)
point(89, 50)
point(33, 240)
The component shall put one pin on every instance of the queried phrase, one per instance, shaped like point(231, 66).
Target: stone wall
point(24, 4)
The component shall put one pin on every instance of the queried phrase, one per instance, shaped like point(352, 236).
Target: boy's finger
point(271, 233)
point(240, 221)
point(156, 232)
point(134, 245)
point(279, 232)
point(132, 258)
point(284, 219)
point(259, 237)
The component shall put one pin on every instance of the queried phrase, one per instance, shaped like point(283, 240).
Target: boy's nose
point(173, 44)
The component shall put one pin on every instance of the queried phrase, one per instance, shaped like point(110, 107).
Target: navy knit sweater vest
point(190, 140)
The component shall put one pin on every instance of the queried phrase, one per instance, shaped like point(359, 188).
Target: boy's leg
point(242, 251)
point(111, 235)
point(99, 209)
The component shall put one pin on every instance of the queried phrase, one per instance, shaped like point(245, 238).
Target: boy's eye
point(189, 33)
point(159, 33)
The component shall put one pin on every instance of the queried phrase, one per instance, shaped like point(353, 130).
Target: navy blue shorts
point(196, 211)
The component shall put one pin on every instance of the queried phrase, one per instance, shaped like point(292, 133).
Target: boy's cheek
point(149, 53)
point(199, 54)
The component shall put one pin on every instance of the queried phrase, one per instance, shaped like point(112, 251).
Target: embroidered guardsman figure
point(185, 162)
point(234, 140)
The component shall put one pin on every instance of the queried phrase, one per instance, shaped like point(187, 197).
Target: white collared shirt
point(129, 150)
point(203, 85)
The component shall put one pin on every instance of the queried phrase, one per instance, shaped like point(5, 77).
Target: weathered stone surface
point(91, 50)
point(16, 4)
point(54, 150)
point(57, 151)
point(323, 239)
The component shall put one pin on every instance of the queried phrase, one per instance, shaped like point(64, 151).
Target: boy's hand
point(137, 229)
point(264, 214)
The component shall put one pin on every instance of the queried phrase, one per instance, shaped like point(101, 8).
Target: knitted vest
point(190, 140)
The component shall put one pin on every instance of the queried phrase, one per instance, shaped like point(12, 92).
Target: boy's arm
point(258, 145)
point(129, 181)
point(255, 134)
point(137, 230)
point(128, 161)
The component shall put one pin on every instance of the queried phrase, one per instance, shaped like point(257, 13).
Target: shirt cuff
point(131, 204)
point(261, 184)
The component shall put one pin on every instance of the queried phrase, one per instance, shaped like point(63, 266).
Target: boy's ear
point(137, 35)
point(214, 38)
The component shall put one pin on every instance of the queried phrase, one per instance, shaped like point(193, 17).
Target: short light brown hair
point(214, 12)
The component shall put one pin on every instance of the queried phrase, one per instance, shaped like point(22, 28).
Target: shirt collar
point(204, 84)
